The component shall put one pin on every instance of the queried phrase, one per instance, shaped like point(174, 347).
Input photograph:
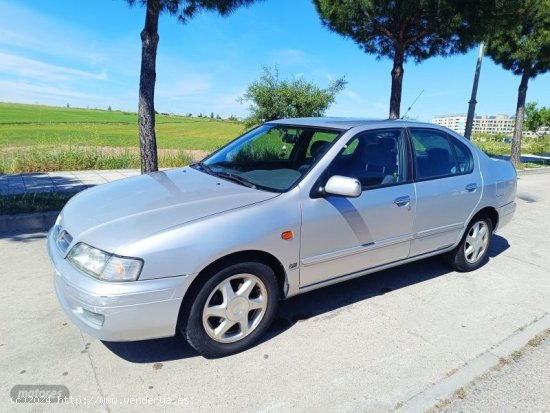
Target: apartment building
point(496, 125)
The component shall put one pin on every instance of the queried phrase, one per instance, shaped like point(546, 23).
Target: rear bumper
point(124, 311)
point(505, 214)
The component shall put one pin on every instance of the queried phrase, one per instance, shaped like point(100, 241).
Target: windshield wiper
point(227, 175)
point(204, 167)
point(235, 178)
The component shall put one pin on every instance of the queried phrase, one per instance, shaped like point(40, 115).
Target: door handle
point(402, 201)
point(471, 187)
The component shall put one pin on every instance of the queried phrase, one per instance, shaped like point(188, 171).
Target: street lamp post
point(472, 102)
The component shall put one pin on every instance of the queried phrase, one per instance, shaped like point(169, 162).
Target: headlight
point(104, 266)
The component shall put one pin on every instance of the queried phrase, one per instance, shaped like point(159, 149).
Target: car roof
point(348, 123)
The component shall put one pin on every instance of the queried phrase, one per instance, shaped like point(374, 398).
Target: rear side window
point(464, 157)
point(438, 155)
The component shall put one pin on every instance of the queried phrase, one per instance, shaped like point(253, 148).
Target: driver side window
point(375, 158)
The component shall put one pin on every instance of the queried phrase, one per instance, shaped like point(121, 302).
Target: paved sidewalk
point(543, 159)
point(73, 181)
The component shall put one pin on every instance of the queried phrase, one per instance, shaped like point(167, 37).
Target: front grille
point(63, 240)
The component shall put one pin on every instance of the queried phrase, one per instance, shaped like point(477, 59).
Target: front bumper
point(117, 311)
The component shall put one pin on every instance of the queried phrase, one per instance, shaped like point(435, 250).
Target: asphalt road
point(379, 343)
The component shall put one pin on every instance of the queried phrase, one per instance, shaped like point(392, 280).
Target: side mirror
point(343, 186)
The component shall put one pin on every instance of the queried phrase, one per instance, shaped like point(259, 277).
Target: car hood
point(119, 213)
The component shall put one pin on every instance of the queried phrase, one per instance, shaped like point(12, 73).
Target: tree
point(184, 10)
point(272, 98)
point(524, 48)
point(408, 29)
point(537, 120)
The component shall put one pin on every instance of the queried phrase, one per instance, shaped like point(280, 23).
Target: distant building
point(495, 125)
point(454, 122)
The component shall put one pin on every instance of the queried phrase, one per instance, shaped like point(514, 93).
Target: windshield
point(271, 157)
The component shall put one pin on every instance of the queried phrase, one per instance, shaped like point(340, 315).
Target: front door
point(341, 236)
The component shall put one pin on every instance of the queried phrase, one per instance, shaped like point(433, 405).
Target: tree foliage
point(274, 98)
point(184, 10)
point(523, 44)
point(409, 29)
point(537, 120)
point(523, 47)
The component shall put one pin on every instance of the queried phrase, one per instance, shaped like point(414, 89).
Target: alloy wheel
point(476, 242)
point(234, 308)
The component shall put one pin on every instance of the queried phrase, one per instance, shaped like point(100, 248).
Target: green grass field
point(37, 138)
point(31, 125)
point(43, 138)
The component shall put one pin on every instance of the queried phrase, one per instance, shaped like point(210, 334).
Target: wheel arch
point(489, 212)
point(230, 259)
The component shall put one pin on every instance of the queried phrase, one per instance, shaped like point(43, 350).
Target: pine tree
point(523, 47)
point(409, 29)
point(184, 10)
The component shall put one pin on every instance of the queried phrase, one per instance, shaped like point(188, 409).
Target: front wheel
point(473, 249)
point(232, 309)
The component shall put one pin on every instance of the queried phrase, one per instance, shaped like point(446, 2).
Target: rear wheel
point(472, 251)
point(232, 309)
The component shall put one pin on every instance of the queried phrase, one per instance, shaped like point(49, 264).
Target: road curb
point(533, 171)
point(445, 388)
point(42, 221)
point(38, 221)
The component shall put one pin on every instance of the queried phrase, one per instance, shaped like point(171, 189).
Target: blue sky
point(87, 53)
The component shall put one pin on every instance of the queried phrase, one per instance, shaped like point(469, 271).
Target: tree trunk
point(520, 113)
point(146, 111)
point(396, 84)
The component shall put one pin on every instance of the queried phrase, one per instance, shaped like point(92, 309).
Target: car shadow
point(153, 351)
point(498, 246)
point(39, 182)
point(306, 306)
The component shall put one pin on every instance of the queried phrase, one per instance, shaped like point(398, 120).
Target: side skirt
point(335, 280)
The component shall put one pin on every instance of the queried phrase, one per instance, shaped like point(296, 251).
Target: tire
point(231, 310)
point(472, 251)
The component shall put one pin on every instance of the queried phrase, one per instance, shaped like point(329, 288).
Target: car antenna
point(412, 104)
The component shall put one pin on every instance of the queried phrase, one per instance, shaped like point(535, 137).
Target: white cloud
point(289, 57)
point(347, 107)
point(190, 85)
point(19, 89)
point(15, 65)
point(62, 39)
point(25, 92)
point(353, 95)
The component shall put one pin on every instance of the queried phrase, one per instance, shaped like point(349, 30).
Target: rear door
point(448, 189)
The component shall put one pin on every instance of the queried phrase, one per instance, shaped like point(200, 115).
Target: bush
point(272, 98)
point(48, 159)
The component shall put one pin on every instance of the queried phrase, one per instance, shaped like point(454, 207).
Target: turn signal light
point(287, 235)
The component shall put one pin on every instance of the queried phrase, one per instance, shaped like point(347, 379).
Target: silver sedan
point(291, 206)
